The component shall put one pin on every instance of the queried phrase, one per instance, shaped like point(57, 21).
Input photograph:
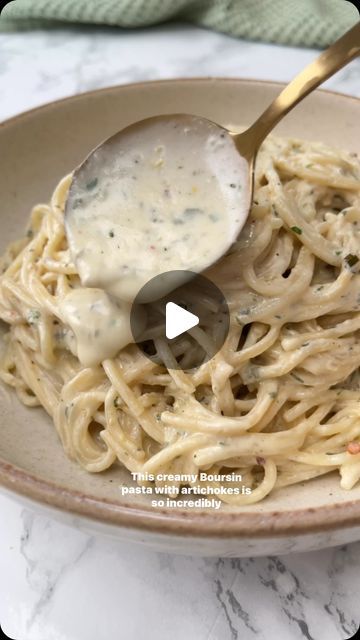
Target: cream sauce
point(162, 197)
point(101, 326)
point(165, 197)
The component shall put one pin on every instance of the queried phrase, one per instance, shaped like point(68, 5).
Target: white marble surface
point(56, 583)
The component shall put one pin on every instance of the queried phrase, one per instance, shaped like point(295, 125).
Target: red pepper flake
point(152, 247)
point(353, 448)
point(260, 461)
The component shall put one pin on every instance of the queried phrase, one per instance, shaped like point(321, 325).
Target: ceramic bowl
point(37, 148)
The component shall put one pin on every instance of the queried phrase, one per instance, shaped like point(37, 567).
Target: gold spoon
point(113, 234)
point(327, 64)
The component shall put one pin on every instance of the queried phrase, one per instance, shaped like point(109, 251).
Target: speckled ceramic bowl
point(39, 147)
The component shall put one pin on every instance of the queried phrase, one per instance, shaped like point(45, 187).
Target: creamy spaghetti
point(278, 405)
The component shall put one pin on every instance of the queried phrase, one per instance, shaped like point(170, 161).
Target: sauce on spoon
point(168, 194)
point(163, 195)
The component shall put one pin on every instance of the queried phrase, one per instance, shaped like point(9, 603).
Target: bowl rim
point(212, 524)
point(128, 85)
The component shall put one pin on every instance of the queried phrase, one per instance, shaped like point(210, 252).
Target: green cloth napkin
point(312, 23)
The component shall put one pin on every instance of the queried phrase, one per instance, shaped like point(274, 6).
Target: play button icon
point(178, 320)
point(183, 328)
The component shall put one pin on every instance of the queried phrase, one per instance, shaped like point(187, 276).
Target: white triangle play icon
point(178, 320)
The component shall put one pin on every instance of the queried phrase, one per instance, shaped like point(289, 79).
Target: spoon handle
point(330, 61)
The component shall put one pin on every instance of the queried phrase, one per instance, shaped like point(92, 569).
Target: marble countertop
point(57, 583)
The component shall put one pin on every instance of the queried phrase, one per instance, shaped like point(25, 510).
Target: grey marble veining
point(60, 584)
point(37, 67)
point(57, 583)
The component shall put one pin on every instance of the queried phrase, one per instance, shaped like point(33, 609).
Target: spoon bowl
point(169, 193)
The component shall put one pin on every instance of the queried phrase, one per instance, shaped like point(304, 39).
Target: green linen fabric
point(312, 23)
